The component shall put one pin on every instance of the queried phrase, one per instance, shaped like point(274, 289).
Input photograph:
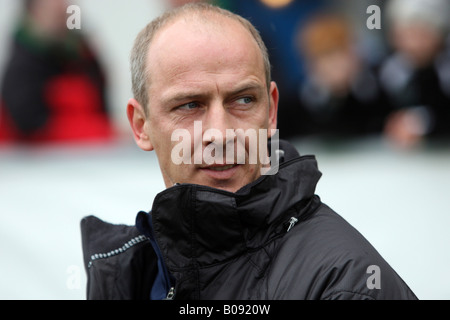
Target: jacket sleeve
point(364, 283)
point(120, 263)
point(330, 260)
point(354, 270)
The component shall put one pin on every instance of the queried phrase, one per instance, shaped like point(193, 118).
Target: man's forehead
point(196, 25)
point(190, 40)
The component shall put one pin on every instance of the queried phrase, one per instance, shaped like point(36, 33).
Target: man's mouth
point(220, 172)
point(221, 168)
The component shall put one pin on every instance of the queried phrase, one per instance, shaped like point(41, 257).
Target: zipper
point(125, 247)
point(292, 222)
point(171, 294)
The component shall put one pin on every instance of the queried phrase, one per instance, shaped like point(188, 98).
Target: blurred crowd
point(340, 79)
point(336, 77)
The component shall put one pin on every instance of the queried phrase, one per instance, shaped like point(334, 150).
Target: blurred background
point(373, 105)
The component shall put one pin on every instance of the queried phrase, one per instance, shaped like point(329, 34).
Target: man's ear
point(273, 107)
point(138, 122)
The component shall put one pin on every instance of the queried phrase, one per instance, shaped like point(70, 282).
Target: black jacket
point(273, 239)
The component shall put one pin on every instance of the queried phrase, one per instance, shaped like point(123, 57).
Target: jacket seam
point(127, 245)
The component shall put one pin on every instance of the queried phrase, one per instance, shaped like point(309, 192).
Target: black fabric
point(243, 245)
point(128, 275)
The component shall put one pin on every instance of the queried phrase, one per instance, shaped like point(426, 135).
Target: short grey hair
point(139, 77)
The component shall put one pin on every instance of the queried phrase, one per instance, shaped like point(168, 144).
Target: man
point(221, 230)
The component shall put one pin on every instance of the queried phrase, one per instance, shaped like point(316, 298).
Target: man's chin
point(228, 178)
point(221, 173)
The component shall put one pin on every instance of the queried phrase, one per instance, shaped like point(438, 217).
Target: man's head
point(201, 65)
point(139, 54)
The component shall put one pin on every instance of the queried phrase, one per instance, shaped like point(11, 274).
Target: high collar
point(200, 225)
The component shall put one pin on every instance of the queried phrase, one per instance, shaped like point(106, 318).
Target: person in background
point(341, 95)
point(416, 76)
point(53, 86)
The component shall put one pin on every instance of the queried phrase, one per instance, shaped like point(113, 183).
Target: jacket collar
point(199, 225)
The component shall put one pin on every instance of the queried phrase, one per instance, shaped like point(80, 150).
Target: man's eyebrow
point(182, 96)
point(189, 95)
point(248, 86)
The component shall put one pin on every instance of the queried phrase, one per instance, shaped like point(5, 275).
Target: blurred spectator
point(341, 95)
point(53, 86)
point(416, 77)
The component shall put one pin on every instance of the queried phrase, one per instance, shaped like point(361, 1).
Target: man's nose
point(215, 123)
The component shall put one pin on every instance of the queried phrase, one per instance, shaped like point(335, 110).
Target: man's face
point(212, 75)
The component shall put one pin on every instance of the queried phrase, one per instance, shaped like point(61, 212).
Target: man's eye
point(188, 106)
point(244, 100)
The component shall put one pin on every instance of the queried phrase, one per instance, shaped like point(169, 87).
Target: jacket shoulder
point(120, 262)
point(341, 263)
point(101, 237)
